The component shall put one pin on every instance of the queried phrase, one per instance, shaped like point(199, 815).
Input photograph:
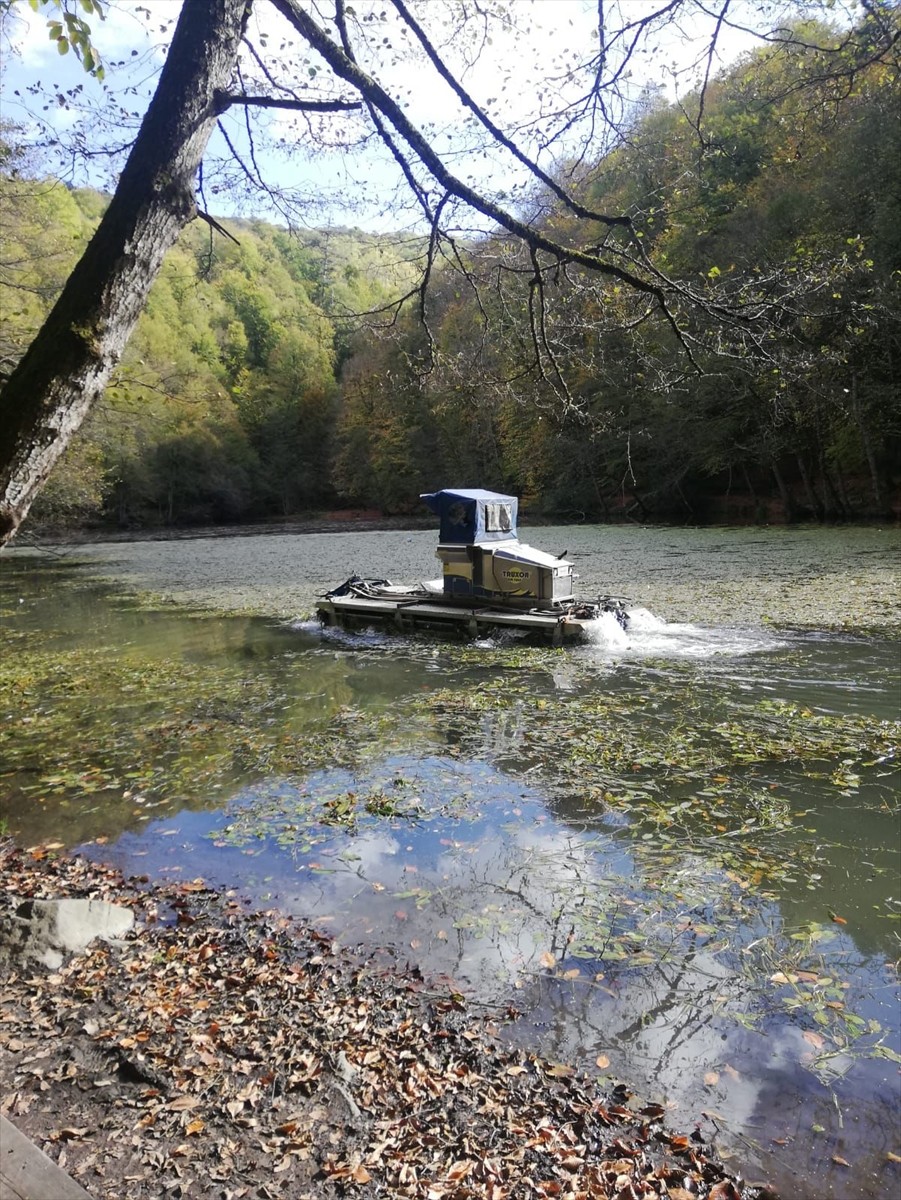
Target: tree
point(67, 365)
point(54, 385)
point(796, 186)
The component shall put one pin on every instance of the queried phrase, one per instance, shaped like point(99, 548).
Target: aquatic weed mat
point(235, 1054)
point(111, 736)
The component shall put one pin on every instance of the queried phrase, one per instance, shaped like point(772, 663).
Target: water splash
point(353, 639)
point(649, 636)
point(607, 634)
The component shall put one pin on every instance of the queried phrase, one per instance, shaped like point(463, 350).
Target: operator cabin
point(483, 558)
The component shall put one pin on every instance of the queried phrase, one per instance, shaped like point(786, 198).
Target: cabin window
point(498, 518)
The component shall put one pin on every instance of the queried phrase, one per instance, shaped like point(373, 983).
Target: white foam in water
point(311, 625)
point(649, 636)
point(345, 637)
point(607, 632)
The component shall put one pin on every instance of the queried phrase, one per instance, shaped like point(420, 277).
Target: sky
point(518, 73)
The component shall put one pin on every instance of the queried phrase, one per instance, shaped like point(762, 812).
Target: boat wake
point(646, 636)
point(649, 636)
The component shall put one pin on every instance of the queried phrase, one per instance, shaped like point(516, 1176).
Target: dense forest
point(257, 387)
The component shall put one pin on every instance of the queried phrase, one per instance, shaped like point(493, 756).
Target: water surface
point(676, 852)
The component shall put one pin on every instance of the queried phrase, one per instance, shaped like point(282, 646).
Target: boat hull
point(362, 603)
point(350, 612)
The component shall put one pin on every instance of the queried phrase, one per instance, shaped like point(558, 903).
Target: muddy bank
point(225, 1053)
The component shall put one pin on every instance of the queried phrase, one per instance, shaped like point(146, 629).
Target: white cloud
point(26, 32)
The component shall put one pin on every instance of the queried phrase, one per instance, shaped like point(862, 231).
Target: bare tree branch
point(214, 224)
point(393, 148)
point(224, 101)
point(371, 90)
point(571, 203)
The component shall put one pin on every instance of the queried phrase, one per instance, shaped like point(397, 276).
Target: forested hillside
point(796, 200)
point(254, 389)
point(225, 406)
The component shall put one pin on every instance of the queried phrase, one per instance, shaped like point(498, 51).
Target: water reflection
point(679, 853)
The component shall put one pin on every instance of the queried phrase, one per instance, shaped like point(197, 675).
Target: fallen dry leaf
point(725, 1190)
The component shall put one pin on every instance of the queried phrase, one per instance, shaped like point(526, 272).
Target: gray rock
point(45, 931)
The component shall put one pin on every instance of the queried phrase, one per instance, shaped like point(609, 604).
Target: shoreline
point(351, 523)
point(217, 1045)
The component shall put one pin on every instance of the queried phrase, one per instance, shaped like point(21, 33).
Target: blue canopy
point(471, 515)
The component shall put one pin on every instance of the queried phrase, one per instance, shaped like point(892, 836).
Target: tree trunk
point(813, 501)
point(844, 499)
point(749, 485)
point(832, 501)
point(867, 442)
point(788, 504)
point(67, 365)
point(601, 498)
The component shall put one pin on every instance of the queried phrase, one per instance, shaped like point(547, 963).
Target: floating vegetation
point(86, 721)
point(301, 814)
point(672, 854)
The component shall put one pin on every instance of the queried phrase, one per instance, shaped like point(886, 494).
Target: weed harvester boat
point(490, 580)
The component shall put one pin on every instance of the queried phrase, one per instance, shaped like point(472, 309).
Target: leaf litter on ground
point(231, 1053)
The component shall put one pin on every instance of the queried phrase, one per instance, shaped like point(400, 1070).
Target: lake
point(675, 852)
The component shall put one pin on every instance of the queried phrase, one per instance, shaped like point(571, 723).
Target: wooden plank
point(26, 1173)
